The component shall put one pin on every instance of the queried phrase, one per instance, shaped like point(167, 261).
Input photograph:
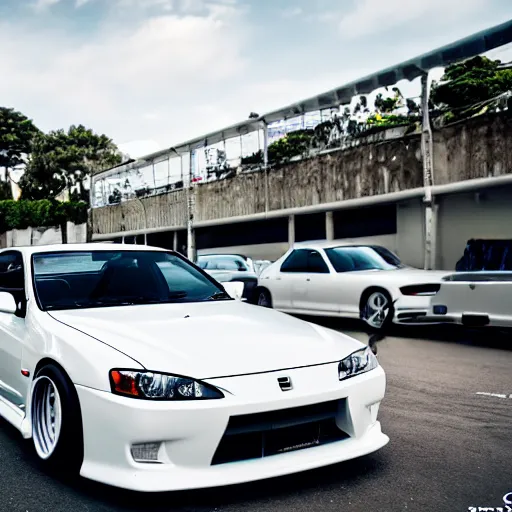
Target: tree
point(16, 134)
point(63, 160)
point(470, 82)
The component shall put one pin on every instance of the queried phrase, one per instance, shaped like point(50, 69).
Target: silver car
point(231, 267)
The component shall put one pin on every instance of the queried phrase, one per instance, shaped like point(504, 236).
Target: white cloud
point(164, 5)
point(139, 148)
point(374, 16)
point(293, 12)
point(40, 5)
point(111, 82)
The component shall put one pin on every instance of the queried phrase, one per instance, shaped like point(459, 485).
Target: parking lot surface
point(447, 411)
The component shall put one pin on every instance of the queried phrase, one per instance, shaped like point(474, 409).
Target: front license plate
point(290, 439)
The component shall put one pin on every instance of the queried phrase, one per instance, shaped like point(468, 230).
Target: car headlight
point(359, 362)
point(160, 386)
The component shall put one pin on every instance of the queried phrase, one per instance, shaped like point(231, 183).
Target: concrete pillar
point(191, 236)
point(432, 263)
point(329, 226)
point(291, 230)
point(265, 164)
point(428, 176)
point(175, 241)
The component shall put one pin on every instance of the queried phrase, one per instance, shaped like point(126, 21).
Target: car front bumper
point(414, 310)
point(190, 432)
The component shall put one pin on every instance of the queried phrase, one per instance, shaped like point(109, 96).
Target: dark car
point(231, 267)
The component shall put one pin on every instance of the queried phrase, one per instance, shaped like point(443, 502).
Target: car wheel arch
point(57, 373)
point(262, 289)
point(47, 361)
point(368, 291)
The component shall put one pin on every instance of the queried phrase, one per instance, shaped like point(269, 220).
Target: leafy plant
point(44, 213)
point(62, 160)
point(254, 159)
point(292, 144)
point(16, 133)
point(466, 85)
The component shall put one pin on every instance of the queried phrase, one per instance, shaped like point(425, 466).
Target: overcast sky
point(153, 73)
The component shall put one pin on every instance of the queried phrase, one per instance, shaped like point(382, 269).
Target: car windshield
point(391, 258)
point(353, 259)
point(231, 263)
point(90, 279)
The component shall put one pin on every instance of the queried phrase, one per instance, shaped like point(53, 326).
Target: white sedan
point(132, 366)
point(354, 281)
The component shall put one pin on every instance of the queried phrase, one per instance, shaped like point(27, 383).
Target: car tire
point(263, 298)
point(377, 309)
point(56, 419)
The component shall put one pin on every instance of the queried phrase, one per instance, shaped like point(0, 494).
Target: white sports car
point(134, 367)
point(354, 281)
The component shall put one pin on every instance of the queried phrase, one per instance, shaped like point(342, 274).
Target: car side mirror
point(7, 303)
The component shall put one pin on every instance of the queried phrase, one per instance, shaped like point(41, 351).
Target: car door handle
point(308, 279)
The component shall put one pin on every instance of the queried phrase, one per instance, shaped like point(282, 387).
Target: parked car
point(134, 367)
point(474, 299)
point(231, 267)
point(354, 281)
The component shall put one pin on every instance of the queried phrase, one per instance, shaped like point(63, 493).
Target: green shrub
point(43, 213)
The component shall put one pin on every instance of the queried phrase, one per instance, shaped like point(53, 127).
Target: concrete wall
point(336, 176)
point(43, 236)
point(465, 216)
point(410, 239)
point(478, 148)
point(365, 170)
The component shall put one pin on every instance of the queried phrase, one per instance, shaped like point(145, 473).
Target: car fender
point(86, 360)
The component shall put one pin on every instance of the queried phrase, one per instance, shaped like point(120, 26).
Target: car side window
point(12, 278)
point(11, 271)
point(305, 261)
point(316, 263)
point(296, 262)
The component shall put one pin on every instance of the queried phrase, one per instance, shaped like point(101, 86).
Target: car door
point(322, 292)
point(12, 328)
point(289, 286)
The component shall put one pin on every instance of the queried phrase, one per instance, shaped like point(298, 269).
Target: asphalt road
point(450, 448)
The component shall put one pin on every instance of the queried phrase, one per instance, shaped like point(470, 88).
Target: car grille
point(260, 435)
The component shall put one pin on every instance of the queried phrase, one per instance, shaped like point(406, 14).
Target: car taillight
point(420, 289)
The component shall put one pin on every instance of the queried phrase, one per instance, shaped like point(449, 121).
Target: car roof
point(218, 255)
point(33, 249)
point(329, 244)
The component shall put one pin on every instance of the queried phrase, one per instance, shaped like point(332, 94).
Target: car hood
point(207, 340)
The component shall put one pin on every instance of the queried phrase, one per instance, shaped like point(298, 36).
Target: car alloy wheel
point(377, 309)
point(46, 416)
